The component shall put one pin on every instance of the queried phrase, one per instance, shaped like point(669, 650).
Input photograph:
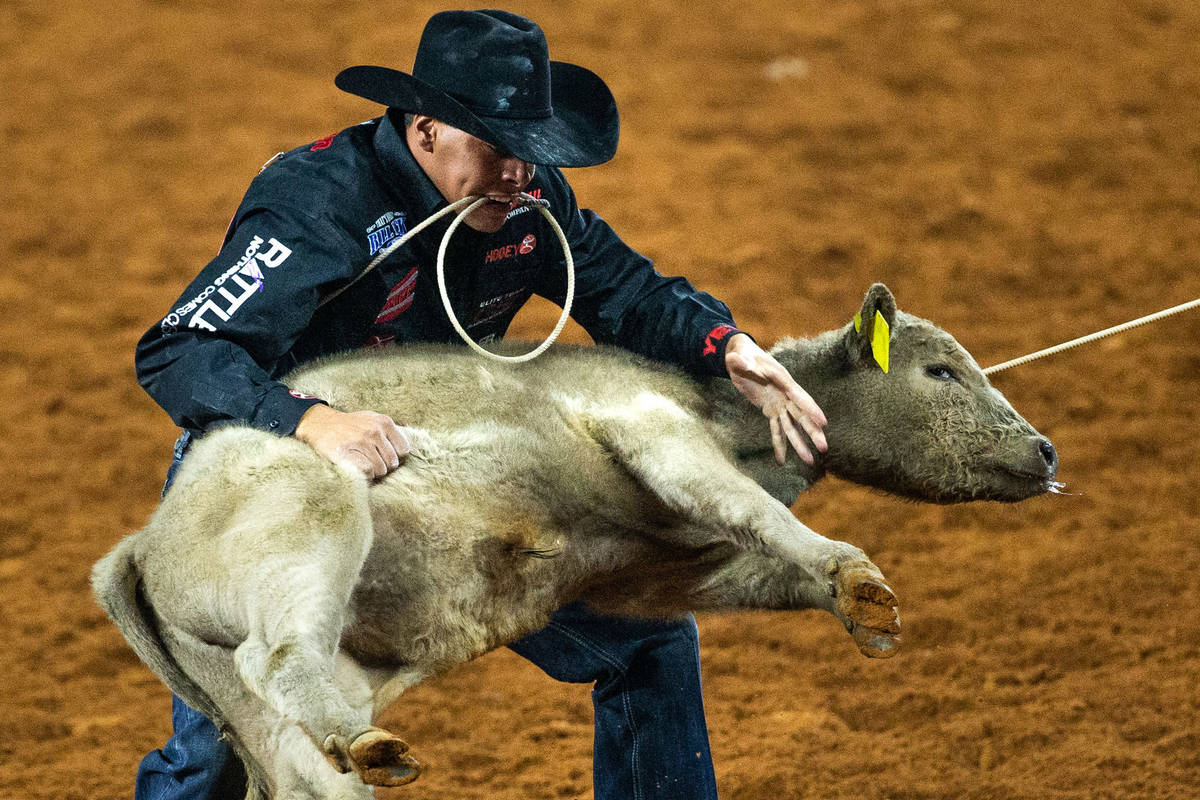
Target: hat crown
point(495, 63)
point(489, 73)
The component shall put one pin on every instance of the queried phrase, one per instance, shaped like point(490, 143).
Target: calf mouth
point(1018, 484)
point(1029, 471)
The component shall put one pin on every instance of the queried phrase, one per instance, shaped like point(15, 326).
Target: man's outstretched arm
point(764, 382)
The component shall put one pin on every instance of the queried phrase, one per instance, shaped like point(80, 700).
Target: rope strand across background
point(1093, 336)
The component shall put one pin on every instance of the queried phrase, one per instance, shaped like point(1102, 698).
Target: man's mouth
point(501, 199)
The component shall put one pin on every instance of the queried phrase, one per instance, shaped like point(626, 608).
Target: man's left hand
point(764, 382)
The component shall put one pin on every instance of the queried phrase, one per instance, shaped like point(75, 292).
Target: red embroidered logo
point(715, 335)
point(322, 143)
point(399, 298)
point(509, 250)
point(516, 207)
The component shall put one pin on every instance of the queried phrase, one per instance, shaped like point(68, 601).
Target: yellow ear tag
point(880, 338)
point(857, 321)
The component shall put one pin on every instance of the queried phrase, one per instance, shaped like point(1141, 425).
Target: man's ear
point(870, 339)
point(424, 132)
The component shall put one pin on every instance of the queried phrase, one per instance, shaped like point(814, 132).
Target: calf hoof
point(867, 607)
point(381, 759)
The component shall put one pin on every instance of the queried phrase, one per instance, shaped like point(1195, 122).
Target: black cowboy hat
point(489, 73)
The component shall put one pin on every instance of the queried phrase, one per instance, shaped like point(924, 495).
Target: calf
point(290, 600)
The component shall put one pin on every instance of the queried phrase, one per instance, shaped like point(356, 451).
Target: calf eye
point(941, 372)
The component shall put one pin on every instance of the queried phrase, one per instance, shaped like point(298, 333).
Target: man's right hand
point(365, 440)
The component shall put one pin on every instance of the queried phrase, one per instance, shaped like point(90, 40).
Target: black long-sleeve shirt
point(316, 216)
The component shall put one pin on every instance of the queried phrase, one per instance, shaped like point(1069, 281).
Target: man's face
point(460, 165)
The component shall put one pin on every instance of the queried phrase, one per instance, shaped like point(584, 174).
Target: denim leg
point(194, 764)
point(651, 740)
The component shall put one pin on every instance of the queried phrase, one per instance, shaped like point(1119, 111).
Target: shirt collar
point(403, 172)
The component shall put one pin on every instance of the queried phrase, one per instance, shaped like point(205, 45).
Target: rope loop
point(464, 207)
point(544, 207)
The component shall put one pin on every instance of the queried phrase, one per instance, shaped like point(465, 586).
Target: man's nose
point(518, 172)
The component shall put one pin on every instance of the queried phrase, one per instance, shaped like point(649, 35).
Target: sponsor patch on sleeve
point(715, 335)
point(221, 299)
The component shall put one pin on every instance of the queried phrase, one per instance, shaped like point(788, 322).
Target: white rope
point(391, 247)
point(471, 203)
point(542, 206)
point(1093, 336)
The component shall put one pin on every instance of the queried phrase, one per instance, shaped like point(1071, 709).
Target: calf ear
point(871, 338)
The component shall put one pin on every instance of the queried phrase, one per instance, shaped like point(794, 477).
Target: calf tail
point(116, 584)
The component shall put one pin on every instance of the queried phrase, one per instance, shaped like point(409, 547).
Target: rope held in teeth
point(467, 205)
point(1093, 336)
point(544, 207)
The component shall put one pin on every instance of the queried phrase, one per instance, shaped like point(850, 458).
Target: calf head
point(911, 412)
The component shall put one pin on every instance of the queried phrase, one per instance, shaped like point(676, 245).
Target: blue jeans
point(651, 741)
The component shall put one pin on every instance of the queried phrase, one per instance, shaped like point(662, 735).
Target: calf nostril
point(1048, 453)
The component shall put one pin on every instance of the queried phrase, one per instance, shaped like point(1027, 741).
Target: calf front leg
point(854, 591)
point(782, 562)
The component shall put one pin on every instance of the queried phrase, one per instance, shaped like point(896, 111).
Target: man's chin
point(488, 219)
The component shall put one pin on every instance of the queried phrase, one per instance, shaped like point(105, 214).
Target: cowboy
point(484, 112)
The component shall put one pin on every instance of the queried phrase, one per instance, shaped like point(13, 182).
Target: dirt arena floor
point(1021, 173)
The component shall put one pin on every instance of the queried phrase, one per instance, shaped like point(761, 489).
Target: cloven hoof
point(869, 604)
point(381, 759)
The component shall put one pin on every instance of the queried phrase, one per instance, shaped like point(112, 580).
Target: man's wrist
point(738, 341)
point(282, 409)
point(312, 416)
point(712, 353)
point(733, 344)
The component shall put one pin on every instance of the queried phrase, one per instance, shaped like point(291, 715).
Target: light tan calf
point(290, 601)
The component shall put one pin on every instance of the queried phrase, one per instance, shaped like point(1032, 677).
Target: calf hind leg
point(281, 760)
point(295, 676)
point(296, 605)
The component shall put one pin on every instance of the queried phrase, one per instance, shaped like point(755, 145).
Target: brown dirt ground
point(1021, 173)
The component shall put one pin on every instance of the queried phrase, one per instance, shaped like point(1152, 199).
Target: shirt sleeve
point(214, 356)
point(621, 299)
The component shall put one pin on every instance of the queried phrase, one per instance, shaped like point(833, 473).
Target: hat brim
point(582, 130)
